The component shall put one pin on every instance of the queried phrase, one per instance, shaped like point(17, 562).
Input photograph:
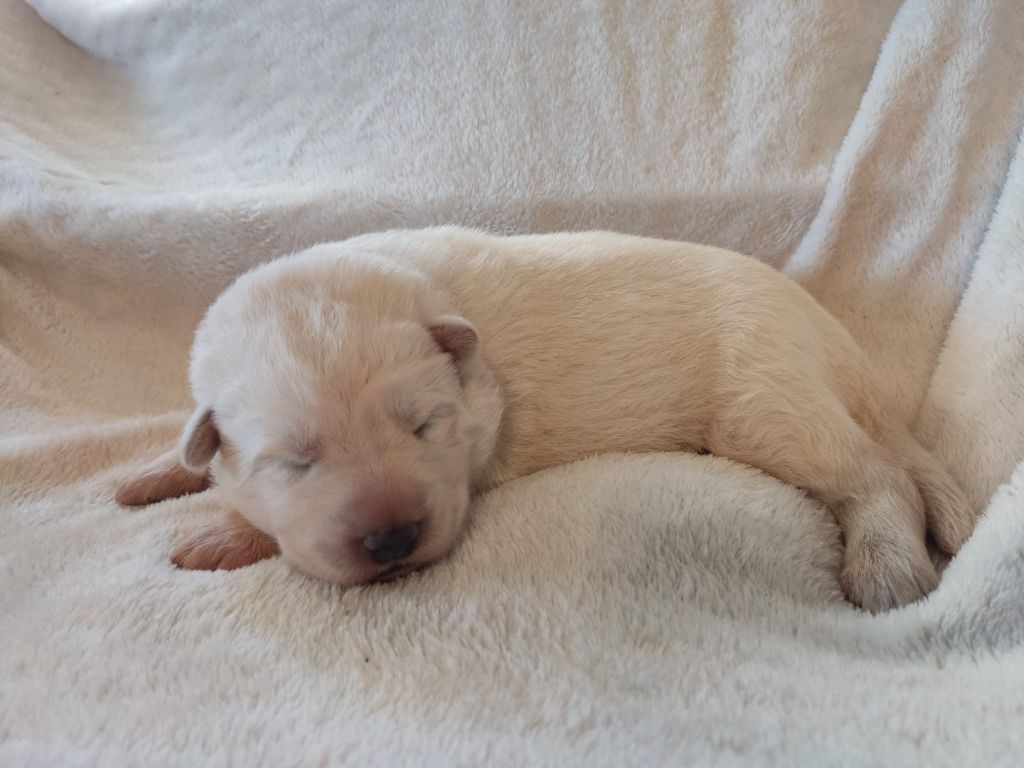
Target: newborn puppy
point(352, 398)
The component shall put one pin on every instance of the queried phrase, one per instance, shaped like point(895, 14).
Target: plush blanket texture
point(650, 610)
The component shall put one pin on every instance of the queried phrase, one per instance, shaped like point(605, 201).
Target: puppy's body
point(610, 343)
point(575, 344)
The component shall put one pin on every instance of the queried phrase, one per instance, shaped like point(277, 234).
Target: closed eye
point(297, 466)
point(438, 414)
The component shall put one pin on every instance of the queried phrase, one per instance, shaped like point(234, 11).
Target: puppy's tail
point(950, 516)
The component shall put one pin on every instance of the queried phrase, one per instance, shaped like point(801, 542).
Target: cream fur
point(316, 369)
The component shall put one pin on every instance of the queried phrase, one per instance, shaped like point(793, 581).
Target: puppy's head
point(343, 412)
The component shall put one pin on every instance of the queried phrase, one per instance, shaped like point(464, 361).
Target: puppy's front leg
point(162, 478)
point(234, 543)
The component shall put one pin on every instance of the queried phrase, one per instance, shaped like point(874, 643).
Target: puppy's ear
point(455, 335)
point(200, 440)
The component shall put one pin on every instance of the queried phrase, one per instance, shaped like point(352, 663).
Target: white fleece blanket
point(654, 610)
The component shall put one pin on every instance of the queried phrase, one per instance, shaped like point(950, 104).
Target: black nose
point(388, 546)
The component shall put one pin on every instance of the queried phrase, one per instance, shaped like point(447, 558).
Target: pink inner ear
point(202, 442)
point(455, 338)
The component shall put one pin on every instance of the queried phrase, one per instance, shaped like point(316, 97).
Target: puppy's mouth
point(395, 571)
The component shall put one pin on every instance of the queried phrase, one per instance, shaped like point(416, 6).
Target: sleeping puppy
point(351, 399)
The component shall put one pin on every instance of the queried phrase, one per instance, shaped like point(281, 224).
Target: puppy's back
point(605, 342)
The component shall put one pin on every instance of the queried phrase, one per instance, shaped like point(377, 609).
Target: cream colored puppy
point(352, 398)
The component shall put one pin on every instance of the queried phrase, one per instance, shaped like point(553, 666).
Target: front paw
point(235, 543)
point(163, 478)
point(884, 573)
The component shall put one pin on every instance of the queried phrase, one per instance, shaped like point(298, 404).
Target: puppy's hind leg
point(804, 436)
point(950, 516)
point(163, 478)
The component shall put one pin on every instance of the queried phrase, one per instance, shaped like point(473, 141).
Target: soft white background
point(627, 610)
